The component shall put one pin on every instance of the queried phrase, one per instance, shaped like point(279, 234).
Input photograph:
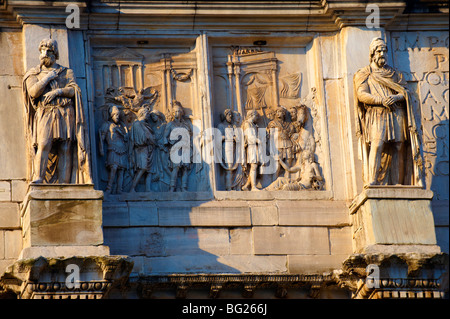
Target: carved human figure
point(310, 177)
point(178, 138)
point(227, 129)
point(115, 134)
point(309, 172)
point(384, 117)
point(160, 156)
point(285, 130)
point(252, 156)
point(141, 147)
point(56, 128)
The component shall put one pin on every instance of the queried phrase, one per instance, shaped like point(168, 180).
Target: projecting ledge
point(390, 192)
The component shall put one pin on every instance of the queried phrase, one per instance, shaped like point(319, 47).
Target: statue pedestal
point(63, 256)
point(62, 220)
point(393, 219)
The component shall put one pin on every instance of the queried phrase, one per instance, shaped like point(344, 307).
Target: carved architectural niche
point(253, 75)
point(119, 67)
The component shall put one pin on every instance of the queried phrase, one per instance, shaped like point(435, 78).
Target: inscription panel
point(424, 59)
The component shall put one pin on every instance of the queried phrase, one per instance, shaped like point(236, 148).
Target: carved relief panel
point(141, 95)
point(261, 94)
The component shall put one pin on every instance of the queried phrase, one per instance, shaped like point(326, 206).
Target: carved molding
point(45, 278)
point(247, 283)
point(421, 275)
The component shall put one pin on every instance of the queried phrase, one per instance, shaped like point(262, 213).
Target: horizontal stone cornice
point(319, 15)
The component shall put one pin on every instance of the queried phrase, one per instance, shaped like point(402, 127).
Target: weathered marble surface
point(54, 215)
point(395, 215)
point(184, 56)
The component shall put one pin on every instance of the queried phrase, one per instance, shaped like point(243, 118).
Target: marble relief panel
point(141, 96)
point(265, 132)
point(263, 93)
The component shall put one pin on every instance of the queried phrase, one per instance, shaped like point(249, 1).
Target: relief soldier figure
point(141, 148)
point(252, 156)
point(115, 133)
point(160, 152)
point(56, 129)
point(385, 122)
point(230, 153)
point(178, 138)
point(285, 130)
point(309, 178)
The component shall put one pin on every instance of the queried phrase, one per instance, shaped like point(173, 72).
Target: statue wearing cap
point(386, 126)
point(56, 130)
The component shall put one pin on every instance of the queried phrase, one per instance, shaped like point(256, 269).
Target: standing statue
point(56, 134)
point(115, 133)
point(141, 147)
point(252, 156)
point(386, 125)
point(178, 138)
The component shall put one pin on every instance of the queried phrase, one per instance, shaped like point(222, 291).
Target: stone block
point(115, 214)
point(255, 264)
point(241, 241)
point(18, 190)
point(62, 215)
point(11, 53)
point(135, 241)
point(217, 214)
point(340, 240)
point(192, 241)
point(314, 264)
point(13, 243)
point(264, 215)
point(215, 264)
point(12, 132)
point(290, 240)
point(313, 213)
point(440, 212)
point(186, 264)
point(2, 244)
point(396, 215)
point(63, 251)
point(143, 214)
point(5, 191)
point(9, 215)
